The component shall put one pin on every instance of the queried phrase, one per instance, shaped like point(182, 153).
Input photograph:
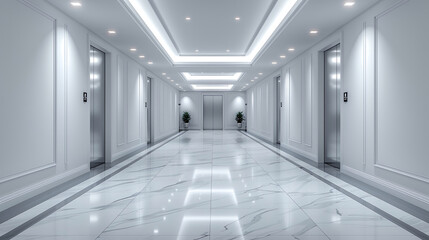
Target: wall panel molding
point(292, 79)
point(120, 111)
point(133, 102)
point(377, 162)
point(25, 173)
point(54, 93)
point(364, 56)
point(392, 188)
point(66, 89)
point(376, 80)
point(403, 173)
point(308, 113)
point(32, 190)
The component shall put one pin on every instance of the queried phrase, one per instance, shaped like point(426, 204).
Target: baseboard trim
point(40, 187)
point(412, 197)
point(259, 136)
point(120, 154)
point(300, 152)
point(165, 136)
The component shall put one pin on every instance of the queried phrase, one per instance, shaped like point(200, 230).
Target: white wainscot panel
point(27, 98)
point(133, 103)
point(308, 101)
point(120, 112)
point(295, 107)
point(402, 89)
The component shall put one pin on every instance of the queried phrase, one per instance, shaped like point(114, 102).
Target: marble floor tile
point(268, 237)
point(215, 185)
point(72, 222)
point(159, 222)
point(57, 237)
point(262, 222)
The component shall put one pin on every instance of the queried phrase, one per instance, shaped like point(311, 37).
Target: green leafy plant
point(239, 117)
point(186, 117)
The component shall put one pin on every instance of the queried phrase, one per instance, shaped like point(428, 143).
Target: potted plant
point(186, 117)
point(239, 118)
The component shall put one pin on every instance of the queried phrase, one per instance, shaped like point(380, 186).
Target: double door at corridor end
point(213, 113)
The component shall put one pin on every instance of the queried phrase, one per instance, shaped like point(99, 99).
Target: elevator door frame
point(277, 112)
point(336, 164)
point(149, 113)
point(94, 163)
point(223, 110)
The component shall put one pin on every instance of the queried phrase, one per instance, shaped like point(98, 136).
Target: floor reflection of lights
point(222, 172)
point(189, 221)
point(213, 192)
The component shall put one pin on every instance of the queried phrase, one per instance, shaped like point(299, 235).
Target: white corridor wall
point(45, 128)
point(260, 108)
point(192, 102)
point(384, 129)
point(165, 109)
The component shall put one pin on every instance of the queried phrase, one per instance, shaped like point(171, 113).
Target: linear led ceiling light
point(148, 19)
point(212, 86)
point(226, 77)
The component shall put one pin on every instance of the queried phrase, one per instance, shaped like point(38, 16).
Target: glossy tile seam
point(409, 227)
point(40, 216)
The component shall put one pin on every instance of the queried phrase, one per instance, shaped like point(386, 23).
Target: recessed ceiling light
point(212, 86)
point(282, 56)
point(227, 50)
point(291, 49)
point(172, 80)
point(349, 4)
point(76, 4)
point(111, 32)
point(281, 12)
point(247, 84)
point(150, 63)
point(252, 80)
point(141, 56)
point(168, 77)
point(274, 63)
point(256, 77)
point(177, 84)
point(237, 18)
point(314, 32)
point(260, 73)
point(196, 50)
point(164, 74)
point(188, 19)
point(133, 49)
point(212, 76)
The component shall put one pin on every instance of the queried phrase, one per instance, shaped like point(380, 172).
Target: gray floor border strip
point(386, 215)
point(16, 231)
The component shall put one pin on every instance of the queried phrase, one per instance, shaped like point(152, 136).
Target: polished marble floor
point(212, 185)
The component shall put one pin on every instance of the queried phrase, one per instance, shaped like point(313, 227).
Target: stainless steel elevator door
point(278, 105)
point(96, 99)
point(212, 113)
point(149, 109)
point(332, 105)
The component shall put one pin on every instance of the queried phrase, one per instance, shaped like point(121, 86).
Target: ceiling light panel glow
point(190, 77)
point(144, 12)
point(212, 86)
point(76, 4)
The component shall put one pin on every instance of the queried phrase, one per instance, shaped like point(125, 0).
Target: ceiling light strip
point(190, 77)
point(212, 86)
point(145, 12)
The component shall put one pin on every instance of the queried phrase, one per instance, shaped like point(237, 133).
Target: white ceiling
point(212, 20)
point(212, 29)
